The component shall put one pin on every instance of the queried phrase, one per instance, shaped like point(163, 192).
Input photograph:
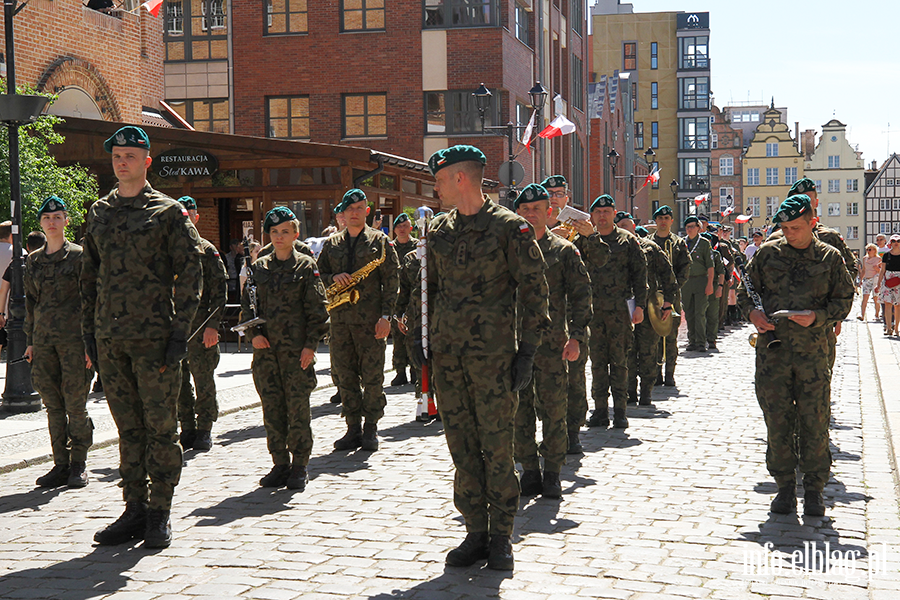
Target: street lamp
point(538, 99)
point(16, 110)
point(613, 157)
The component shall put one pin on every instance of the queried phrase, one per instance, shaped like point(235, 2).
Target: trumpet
point(567, 217)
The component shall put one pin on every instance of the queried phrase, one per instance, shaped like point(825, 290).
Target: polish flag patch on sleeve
point(523, 228)
point(316, 272)
point(184, 211)
point(577, 252)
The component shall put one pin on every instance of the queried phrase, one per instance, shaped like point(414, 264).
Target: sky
point(823, 60)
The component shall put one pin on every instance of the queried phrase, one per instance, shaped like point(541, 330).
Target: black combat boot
point(158, 533)
point(187, 437)
point(131, 525)
point(633, 395)
point(551, 486)
point(413, 376)
point(785, 501)
point(474, 548)
point(203, 441)
point(369, 439)
point(659, 379)
point(500, 555)
point(298, 478)
point(58, 475)
point(336, 399)
point(646, 394)
point(575, 446)
point(813, 504)
point(352, 439)
point(78, 477)
point(400, 379)
point(619, 420)
point(530, 482)
point(599, 418)
point(711, 345)
point(670, 380)
point(277, 477)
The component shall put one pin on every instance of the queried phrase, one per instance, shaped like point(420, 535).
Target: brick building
point(64, 48)
point(726, 183)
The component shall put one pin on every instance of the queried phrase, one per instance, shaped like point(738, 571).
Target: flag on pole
point(728, 211)
point(526, 135)
point(153, 6)
point(698, 200)
point(558, 126)
point(653, 177)
point(742, 218)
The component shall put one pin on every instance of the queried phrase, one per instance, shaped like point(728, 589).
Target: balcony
point(694, 62)
point(694, 183)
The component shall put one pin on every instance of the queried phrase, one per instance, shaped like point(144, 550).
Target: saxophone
point(337, 294)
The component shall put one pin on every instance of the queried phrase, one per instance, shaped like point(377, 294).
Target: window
point(655, 184)
point(744, 116)
point(638, 136)
point(578, 83)
point(771, 149)
point(577, 168)
point(204, 115)
point(523, 115)
point(771, 175)
point(630, 58)
point(896, 203)
point(654, 134)
point(726, 166)
point(365, 115)
point(694, 52)
point(772, 203)
point(818, 186)
point(753, 176)
point(693, 173)
point(522, 25)
point(216, 17)
point(852, 185)
point(885, 204)
point(358, 15)
point(834, 209)
point(287, 117)
point(286, 16)
point(790, 175)
point(834, 186)
point(654, 55)
point(576, 17)
point(852, 232)
point(693, 92)
point(634, 96)
point(834, 162)
point(449, 113)
point(694, 133)
point(461, 13)
point(714, 141)
point(888, 182)
point(885, 228)
point(752, 207)
point(724, 194)
point(174, 17)
point(852, 209)
point(654, 95)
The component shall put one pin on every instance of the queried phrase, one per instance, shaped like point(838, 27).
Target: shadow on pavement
point(412, 429)
point(569, 473)
point(539, 515)
point(256, 503)
point(597, 438)
point(476, 581)
point(236, 436)
point(339, 462)
point(31, 499)
point(105, 474)
point(226, 374)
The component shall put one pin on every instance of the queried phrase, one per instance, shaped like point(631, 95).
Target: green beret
point(703, 217)
point(792, 208)
point(664, 210)
point(532, 192)
point(130, 136)
point(604, 201)
point(188, 203)
point(277, 216)
point(802, 186)
point(712, 227)
point(756, 233)
point(691, 219)
point(708, 236)
point(555, 181)
point(351, 197)
point(453, 155)
point(402, 218)
point(641, 231)
point(52, 204)
point(622, 216)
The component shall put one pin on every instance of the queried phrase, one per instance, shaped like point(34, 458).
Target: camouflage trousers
point(59, 375)
point(202, 412)
point(358, 359)
point(611, 340)
point(545, 399)
point(643, 360)
point(671, 347)
point(143, 403)
point(712, 316)
point(284, 390)
point(400, 356)
point(832, 345)
point(695, 302)
point(478, 410)
point(794, 392)
point(334, 374)
point(576, 388)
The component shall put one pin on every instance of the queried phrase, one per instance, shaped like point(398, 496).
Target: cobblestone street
point(674, 506)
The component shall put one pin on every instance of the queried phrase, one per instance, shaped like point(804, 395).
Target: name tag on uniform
point(462, 251)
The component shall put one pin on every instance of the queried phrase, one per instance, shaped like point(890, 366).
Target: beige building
point(838, 171)
point(771, 165)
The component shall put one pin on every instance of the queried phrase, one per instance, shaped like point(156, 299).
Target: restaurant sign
point(185, 163)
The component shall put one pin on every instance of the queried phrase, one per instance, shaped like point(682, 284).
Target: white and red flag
point(728, 211)
point(742, 218)
point(653, 177)
point(153, 6)
point(698, 200)
point(526, 135)
point(558, 126)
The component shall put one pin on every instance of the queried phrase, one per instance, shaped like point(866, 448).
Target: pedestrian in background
point(889, 286)
point(871, 268)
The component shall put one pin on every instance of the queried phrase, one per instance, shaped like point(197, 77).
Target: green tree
point(41, 176)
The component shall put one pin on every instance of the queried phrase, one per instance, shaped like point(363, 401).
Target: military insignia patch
point(534, 253)
point(120, 139)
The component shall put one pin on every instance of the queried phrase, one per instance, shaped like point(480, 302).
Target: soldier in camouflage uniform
point(712, 301)
point(594, 253)
point(643, 359)
point(359, 331)
point(699, 287)
point(623, 278)
point(480, 257)
point(59, 369)
point(291, 299)
point(676, 250)
point(403, 244)
point(570, 312)
point(798, 272)
point(140, 288)
point(198, 415)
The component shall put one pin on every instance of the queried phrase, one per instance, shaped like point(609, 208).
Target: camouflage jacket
point(594, 251)
point(291, 299)
point(477, 266)
point(53, 296)
point(378, 291)
point(409, 279)
point(570, 292)
point(836, 241)
point(724, 250)
point(623, 277)
point(404, 249)
point(215, 287)
point(789, 279)
point(141, 274)
point(660, 276)
point(701, 256)
point(680, 259)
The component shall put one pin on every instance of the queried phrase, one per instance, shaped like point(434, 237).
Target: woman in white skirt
point(888, 287)
point(869, 270)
